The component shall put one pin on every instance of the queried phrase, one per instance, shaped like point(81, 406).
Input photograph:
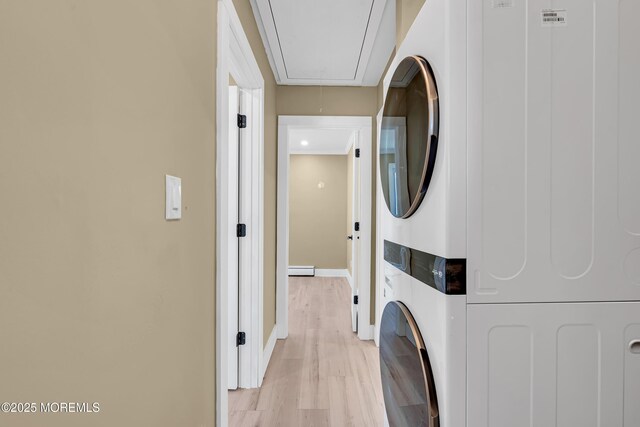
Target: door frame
point(353, 275)
point(233, 254)
point(235, 57)
point(380, 204)
point(363, 125)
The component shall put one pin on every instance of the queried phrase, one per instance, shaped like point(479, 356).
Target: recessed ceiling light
point(304, 142)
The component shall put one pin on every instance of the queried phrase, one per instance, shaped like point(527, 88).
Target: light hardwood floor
point(322, 374)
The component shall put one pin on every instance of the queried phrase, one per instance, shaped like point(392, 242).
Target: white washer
point(535, 185)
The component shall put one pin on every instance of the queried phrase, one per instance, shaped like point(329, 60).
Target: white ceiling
point(327, 42)
point(321, 141)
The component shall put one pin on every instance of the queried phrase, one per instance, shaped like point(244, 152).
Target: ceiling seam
point(363, 39)
point(273, 18)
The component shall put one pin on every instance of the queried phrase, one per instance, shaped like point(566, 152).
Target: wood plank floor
point(322, 375)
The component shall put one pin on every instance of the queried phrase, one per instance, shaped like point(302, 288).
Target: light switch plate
point(173, 188)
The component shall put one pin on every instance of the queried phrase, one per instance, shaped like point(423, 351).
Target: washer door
point(407, 381)
point(409, 136)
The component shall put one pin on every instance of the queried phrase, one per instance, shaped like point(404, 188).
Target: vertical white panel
point(629, 113)
point(355, 243)
point(232, 246)
point(631, 266)
point(572, 139)
point(578, 377)
point(509, 376)
point(504, 137)
point(562, 365)
point(553, 151)
point(631, 377)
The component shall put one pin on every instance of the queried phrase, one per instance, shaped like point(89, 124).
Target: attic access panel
point(321, 39)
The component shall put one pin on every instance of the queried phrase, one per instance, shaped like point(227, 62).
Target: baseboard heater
point(302, 270)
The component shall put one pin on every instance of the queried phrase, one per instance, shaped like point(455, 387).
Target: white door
point(245, 263)
point(233, 243)
point(355, 232)
point(239, 250)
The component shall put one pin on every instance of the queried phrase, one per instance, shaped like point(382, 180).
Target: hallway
point(322, 374)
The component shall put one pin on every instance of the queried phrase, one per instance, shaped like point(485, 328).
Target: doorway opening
point(324, 208)
point(239, 212)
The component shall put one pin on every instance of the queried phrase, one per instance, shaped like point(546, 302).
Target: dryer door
point(407, 381)
point(409, 136)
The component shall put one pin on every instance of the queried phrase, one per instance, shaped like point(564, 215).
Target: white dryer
point(510, 216)
point(423, 326)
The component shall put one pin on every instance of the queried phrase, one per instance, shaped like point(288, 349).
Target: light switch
point(173, 188)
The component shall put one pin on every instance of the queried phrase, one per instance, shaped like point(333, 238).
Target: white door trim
point(235, 57)
point(380, 241)
point(268, 351)
point(355, 241)
point(362, 124)
point(231, 263)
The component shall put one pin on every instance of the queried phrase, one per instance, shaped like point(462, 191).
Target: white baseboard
point(376, 335)
point(302, 270)
point(349, 279)
point(268, 351)
point(366, 332)
point(282, 332)
point(330, 272)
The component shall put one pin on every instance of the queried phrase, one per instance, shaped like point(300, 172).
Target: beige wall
point(406, 12)
point(318, 211)
point(326, 100)
point(337, 101)
point(349, 228)
point(247, 19)
point(101, 299)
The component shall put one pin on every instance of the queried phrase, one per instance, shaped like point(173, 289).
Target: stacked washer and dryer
point(509, 164)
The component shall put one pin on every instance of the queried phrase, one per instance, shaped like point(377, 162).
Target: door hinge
point(356, 226)
point(355, 299)
point(241, 230)
point(241, 339)
point(357, 153)
point(242, 121)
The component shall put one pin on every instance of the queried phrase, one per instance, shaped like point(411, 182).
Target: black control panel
point(448, 276)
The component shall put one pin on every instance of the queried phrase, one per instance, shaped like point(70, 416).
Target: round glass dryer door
point(409, 136)
point(407, 381)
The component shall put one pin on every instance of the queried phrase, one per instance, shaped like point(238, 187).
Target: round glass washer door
point(409, 136)
point(407, 380)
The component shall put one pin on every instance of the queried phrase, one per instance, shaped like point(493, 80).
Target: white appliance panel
point(631, 373)
point(628, 148)
point(553, 201)
point(562, 364)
